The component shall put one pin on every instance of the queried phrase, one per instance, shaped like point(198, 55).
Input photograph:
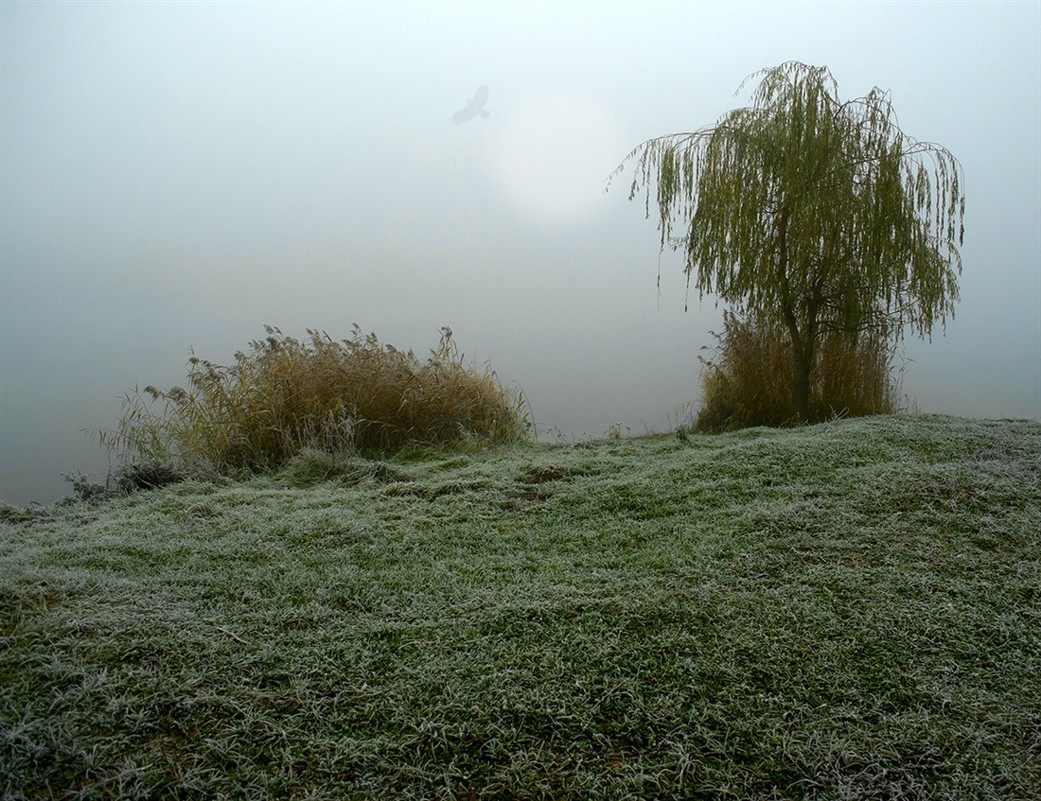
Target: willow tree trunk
point(803, 364)
point(803, 351)
point(802, 341)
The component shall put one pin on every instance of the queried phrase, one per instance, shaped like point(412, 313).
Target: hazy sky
point(176, 175)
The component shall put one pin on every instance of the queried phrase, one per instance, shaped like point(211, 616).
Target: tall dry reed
point(284, 395)
point(749, 380)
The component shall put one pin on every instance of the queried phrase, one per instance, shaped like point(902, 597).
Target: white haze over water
point(176, 175)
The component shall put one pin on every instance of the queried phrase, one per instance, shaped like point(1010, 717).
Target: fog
point(175, 176)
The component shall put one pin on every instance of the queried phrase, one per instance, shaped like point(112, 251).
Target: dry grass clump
point(285, 395)
point(750, 381)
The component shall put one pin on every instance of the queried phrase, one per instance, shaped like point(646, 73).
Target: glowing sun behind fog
point(552, 154)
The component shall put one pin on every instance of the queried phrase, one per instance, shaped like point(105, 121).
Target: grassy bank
point(847, 611)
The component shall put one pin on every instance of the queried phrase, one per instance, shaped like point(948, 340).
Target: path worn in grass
point(845, 611)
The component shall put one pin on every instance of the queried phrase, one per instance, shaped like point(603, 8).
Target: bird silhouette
point(473, 107)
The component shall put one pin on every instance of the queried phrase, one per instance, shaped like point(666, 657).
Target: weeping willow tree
point(814, 214)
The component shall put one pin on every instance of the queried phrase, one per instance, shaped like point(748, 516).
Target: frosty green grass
point(845, 611)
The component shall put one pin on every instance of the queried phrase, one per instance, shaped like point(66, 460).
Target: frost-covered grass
point(848, 611)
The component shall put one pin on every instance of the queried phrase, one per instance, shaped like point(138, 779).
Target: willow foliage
point(819, 214)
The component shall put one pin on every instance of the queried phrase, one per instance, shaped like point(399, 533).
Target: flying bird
point(473, 107)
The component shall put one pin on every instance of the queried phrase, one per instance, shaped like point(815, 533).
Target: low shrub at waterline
point(285, 395)
point(749, 381)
